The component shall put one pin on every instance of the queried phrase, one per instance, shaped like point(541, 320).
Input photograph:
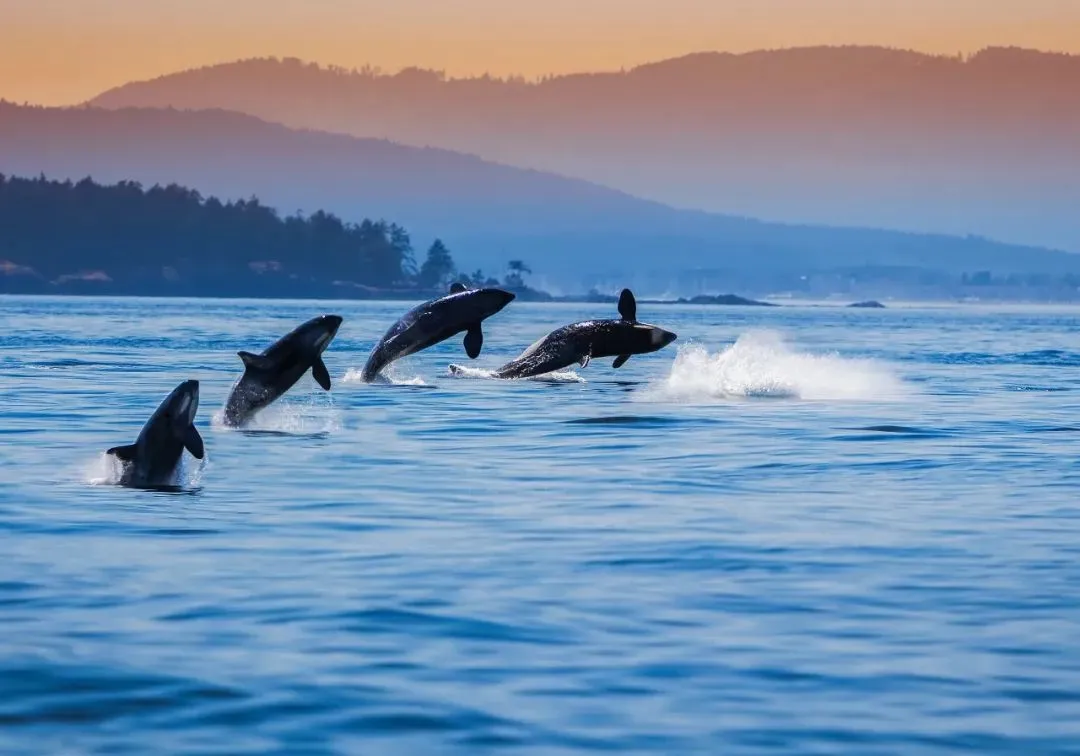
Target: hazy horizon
point(55, 54)
point(821, 115)
point(851, 136)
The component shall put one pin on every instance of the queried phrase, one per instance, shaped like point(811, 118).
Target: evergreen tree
point(59, 228)
point(438, 269)
point(515, 278)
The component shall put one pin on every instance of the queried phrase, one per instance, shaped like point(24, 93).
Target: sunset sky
point(66, 51)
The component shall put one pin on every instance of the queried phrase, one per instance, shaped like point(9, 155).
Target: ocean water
point(796, 530)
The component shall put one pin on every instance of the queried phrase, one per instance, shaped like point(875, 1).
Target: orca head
point(662, 338)
point(319, 332)
point(490, 300)
point(646, 338)
point(182, 405)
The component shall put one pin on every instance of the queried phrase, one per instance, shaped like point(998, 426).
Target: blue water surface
point(796, 530)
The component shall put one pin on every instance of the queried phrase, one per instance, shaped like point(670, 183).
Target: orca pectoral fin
point(123, 453)
point(474, 341)
point(628, 306)
point(457, 287)
point(584, 361)
point(620, 361)
point(255, 361)
point(320, 373)
point(193, 442)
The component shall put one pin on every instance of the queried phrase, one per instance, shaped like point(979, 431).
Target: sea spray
point(314, 413)
point(760, 364)
point(103, 470)
point(389, 375)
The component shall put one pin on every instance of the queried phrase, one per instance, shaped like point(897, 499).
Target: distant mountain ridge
point(988, 144)
point(574, 234)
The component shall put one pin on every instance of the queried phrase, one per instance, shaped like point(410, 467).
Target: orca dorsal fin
point(193, 442)
point(124, 453)
point(620, 361)
point(255, 361)
point(474, 341)
point(320, 373)
point(628, 306)
point(457, 287)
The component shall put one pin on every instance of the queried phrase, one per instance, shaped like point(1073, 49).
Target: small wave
point(891, 432)
point(557, 376)
point(1037, 389)
point(902, 430)
point(761, 365)
point(1039, 357)
point(639, 420)
point(387, 377)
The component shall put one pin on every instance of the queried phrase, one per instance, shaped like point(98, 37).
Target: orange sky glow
point(66, 51)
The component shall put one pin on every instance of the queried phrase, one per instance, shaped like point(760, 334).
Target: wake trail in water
point(558, 376)
point(762, 365)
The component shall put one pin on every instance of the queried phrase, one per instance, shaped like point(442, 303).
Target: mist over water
point(805, 530)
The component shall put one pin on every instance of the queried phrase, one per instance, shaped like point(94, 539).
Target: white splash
point(558, 376)
point(103, 470)
point(106, 470)
point(760, 364)
point(302, 415)
point(388, 376)
point(192, 471)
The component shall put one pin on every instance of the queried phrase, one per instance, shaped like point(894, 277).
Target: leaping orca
point(269, 375)
point(154, 458)
point(590, 339)
point(463, 309)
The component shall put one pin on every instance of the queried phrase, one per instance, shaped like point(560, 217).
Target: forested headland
point(85, 237)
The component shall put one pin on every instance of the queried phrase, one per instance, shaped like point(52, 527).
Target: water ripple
point(881, 558)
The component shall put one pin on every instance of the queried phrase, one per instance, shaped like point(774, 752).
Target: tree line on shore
point(59, 231)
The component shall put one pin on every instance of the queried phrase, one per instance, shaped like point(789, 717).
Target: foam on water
point(761, 364)
point(558, 376)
